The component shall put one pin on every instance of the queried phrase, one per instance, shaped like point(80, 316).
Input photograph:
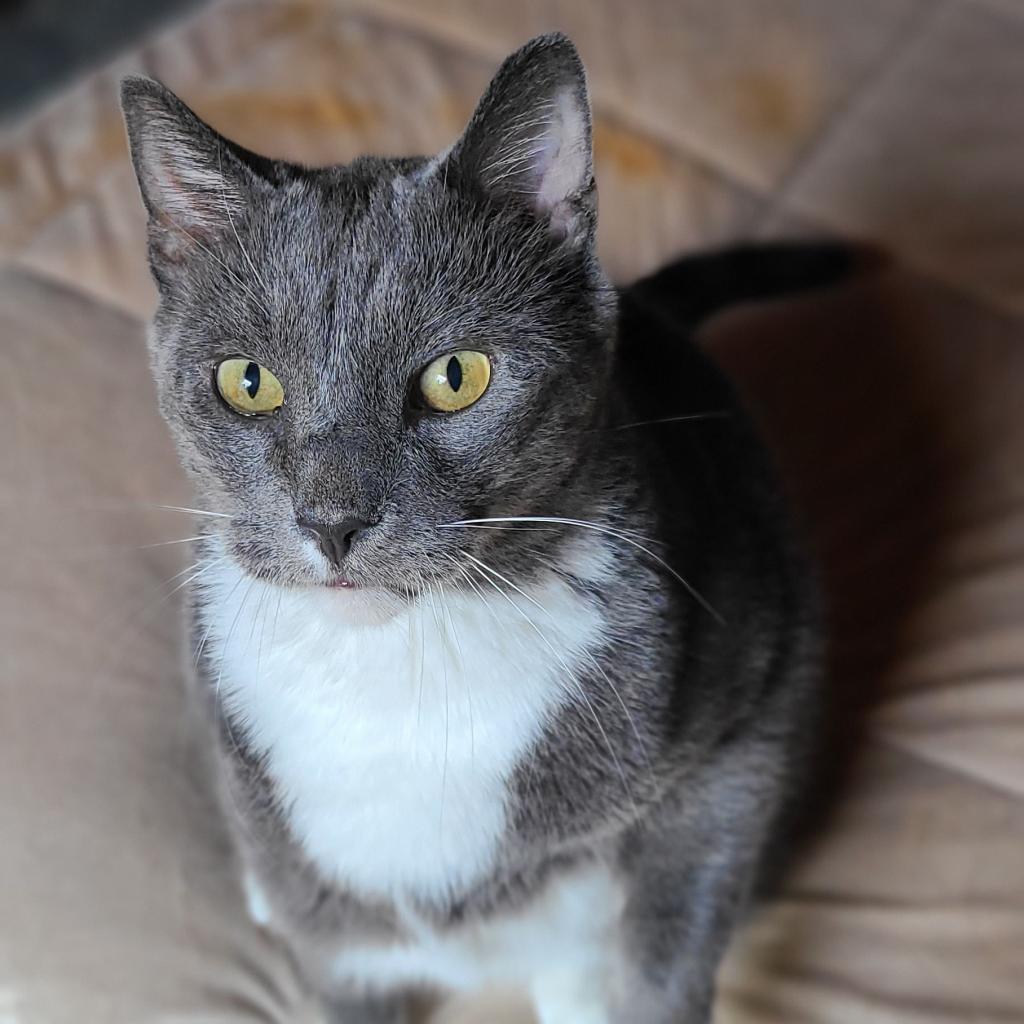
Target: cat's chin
point(362, 606)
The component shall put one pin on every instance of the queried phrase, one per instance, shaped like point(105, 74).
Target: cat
point(513, 651)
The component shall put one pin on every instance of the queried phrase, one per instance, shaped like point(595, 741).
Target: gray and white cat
point(515, 668)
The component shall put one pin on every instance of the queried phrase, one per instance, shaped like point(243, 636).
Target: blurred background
point(45, 43)
point(892, 405)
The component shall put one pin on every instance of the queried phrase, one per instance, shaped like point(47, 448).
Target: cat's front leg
point(647, 983)
point(571, 996)
point(690, 879)
point(675, 931)
point(666, 977)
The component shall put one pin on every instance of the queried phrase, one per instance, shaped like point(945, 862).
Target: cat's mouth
point(341, 584)
point(360, 604)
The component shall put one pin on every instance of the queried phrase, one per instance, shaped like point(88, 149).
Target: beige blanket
point(894, 406)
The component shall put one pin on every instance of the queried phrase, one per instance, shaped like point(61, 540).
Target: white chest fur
point(392, 745)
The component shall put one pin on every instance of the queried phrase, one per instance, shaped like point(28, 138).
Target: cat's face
point(344, 296)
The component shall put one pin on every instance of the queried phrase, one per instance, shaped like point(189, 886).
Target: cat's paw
point(569, 997)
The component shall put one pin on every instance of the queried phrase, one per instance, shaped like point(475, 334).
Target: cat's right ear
point(193, 183)
point(529, 140)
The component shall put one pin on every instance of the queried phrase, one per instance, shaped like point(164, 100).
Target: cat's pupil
point(251, 380)
point(454, 373)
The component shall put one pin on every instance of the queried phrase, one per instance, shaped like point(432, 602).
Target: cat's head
point(352, 357)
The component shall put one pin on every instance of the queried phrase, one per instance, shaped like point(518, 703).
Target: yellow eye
point(456, 380)
point(249, 388)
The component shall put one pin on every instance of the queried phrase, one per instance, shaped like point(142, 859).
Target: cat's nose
point(335, 539)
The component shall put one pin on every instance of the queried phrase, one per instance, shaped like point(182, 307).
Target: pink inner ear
point(193, 193)
point(561, 157)
point(184, 205)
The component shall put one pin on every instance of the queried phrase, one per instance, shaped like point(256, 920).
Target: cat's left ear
point(529, 140)
point(194, 182)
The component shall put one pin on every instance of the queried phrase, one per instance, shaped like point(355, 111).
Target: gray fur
point(348, 281)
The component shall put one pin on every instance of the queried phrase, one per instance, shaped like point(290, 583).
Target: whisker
point(209, 628)
point(582, 524)
point(220, 670)
point(202, 642)
point(719, 415)
point(263, 630)
point(592, 659)
point(451, 622)
point(507, 529)
point(91, 553)
point(277, 612)
point(444, 670)
point(193, 511)
point(240, 818)
point(165, 543)
point(569, 672)
point(423, 659)
point(206, 568)
point(446, 608)
point(478, 590)
point(407, 591)
point(110, 506)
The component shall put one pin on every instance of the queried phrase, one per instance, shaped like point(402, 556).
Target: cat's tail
point(694, 288)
